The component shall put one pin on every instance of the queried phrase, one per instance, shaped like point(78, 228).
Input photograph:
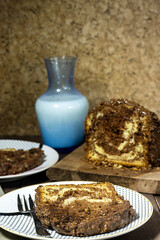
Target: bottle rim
point(60, 58)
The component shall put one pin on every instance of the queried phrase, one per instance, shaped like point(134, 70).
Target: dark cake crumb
point(82, 210)
point(14, 161)
point(120, 132)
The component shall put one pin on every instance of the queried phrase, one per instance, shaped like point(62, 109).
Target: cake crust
point(82, 210)
point(120, 132)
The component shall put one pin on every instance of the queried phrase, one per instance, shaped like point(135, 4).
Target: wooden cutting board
point(73, 167)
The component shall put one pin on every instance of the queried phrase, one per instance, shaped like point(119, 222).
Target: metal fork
point(40, 230)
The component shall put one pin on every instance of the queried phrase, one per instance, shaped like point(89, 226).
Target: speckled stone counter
point(117, 44)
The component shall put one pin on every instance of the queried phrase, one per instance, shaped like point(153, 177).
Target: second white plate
point(51, 157)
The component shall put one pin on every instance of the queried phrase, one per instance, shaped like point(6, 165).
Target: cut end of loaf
point(120, 132)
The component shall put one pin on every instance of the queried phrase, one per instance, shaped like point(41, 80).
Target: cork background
point(117, 43)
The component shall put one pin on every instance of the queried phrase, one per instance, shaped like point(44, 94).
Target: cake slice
point(14, 161)
point(82, 210)
point(120, 133)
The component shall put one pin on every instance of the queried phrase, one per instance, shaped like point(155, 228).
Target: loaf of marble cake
point(120, 133)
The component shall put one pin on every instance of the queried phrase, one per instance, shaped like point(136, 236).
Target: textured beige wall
point(117, 43)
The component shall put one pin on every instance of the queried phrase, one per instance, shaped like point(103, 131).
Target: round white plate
point(51, 157)
point(23, 225)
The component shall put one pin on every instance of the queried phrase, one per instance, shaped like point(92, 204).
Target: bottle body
point(61, 115)
point(62, 121)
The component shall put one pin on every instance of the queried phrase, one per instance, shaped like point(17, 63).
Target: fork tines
point(19, 203)
point(25, 204)
point(31, 209)
point(25, 208)
point(31, 203)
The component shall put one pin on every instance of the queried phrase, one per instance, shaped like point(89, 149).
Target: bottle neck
point(60, 72)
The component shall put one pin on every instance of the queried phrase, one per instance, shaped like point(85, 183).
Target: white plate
point(23, 225)
point(51, 157)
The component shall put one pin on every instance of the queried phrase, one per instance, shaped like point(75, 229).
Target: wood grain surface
point(74, 167)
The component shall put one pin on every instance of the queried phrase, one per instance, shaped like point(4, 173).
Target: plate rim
point(33, 170)
point(94, 237)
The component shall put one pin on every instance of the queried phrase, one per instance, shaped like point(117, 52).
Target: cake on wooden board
point(82, 210)
point(120, 133)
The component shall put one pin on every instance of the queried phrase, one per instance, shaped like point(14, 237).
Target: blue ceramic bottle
point(61, 110)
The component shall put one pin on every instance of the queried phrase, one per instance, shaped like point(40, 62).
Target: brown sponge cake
point(120, 132)
point(14, 161)
point(82, 210)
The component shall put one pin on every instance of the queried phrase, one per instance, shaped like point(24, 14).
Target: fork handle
point(38, 225)
point(15, 213)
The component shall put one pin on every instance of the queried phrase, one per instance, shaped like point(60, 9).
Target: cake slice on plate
point(82, 210)
point(14, 161)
